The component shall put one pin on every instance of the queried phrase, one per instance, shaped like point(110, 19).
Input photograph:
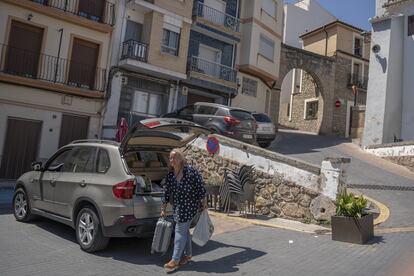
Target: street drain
point(380, 187)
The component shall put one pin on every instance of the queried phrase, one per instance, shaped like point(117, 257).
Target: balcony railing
point(95, 10)
point(360, 82)
point(135, 50)
point(34, 65)
point(212, 69)
point(217, 17)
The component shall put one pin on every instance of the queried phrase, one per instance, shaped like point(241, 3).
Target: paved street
point(365, 169)
point(45, 247)
point(48, 248)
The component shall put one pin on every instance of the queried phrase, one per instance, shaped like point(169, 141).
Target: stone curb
point(291, 225)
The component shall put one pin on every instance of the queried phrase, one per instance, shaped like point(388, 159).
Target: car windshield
point(262, 118)
point(241, 114)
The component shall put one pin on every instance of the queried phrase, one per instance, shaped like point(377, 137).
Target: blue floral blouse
point(186, 193)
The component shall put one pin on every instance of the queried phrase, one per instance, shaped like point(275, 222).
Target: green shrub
point(214, 180)
point(350, 205)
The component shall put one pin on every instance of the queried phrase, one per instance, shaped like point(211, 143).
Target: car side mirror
point(37, 166)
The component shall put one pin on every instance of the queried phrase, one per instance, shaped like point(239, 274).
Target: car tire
point(265, 144)
point(21, 206)
point(89, 231)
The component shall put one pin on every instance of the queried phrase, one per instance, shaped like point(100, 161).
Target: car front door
point(74, 179)
point(48, 177)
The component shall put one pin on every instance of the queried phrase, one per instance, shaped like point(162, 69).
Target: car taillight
point(124, 190)
point(231, 120)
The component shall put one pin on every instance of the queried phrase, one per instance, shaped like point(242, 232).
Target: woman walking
point(184, 189)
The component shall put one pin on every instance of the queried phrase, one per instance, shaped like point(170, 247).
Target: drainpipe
point(326, 40)
point(58, 55)
point(175, 99)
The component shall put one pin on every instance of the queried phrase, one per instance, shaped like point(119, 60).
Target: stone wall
point(285, 187)
point(401, 153)
point(299, 121)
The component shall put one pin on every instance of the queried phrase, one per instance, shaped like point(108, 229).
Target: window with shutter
point(23, 51)
point(267, 47)
point(133, 31)
point(83, 64)
point(269, 6)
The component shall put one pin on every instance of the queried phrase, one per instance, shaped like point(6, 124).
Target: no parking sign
point(212, 145)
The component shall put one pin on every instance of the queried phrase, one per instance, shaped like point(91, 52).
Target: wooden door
point(73, 128)
point(24, 46)
point(20, 147)
point(83, 63)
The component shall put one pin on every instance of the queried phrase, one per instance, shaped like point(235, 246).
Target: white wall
point(407, 131)
point(250, 103)
point(302, 17)
point(393, 104)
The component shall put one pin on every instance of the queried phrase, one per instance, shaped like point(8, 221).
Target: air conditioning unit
point(184, 91)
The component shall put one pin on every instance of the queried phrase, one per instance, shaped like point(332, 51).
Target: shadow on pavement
point(63, 231)
point(137, 251)
point(293, 143)
point(376, 240)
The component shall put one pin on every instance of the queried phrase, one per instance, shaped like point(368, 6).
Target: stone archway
point(322, 70)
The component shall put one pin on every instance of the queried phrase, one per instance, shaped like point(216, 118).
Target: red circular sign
point(338, 103)
point(212, 145)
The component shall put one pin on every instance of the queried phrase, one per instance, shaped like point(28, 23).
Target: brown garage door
point(73, 128)
point(193, 98)
point(20, 147)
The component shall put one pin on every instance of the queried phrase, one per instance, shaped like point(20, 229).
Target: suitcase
point(162, 236)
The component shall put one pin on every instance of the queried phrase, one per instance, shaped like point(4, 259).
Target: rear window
point(102, 161)
point(262, 118)
point(241, 115)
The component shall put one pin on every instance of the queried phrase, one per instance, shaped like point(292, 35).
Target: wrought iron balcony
point(34, 65)
point(216, 17)
point(135, 50)
point(360, 82)
point(212, 69)
point(95, 10)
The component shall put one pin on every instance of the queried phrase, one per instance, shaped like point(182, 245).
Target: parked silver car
point(266, 129)
point(91, 185)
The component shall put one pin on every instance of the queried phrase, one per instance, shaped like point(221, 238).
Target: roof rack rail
point(95, 141)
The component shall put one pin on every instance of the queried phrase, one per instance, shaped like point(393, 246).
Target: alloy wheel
point(20, 205)
point(86, 229)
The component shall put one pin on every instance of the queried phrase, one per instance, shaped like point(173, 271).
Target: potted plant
point(351, 223)
point(213, 184)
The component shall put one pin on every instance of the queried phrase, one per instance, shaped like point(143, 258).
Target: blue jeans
point(182, 241)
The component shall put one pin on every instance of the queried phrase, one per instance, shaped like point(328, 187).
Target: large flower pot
point(354, 230)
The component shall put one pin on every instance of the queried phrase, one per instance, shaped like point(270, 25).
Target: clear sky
point(354, 12)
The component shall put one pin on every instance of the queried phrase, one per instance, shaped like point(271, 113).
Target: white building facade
point(390, 102)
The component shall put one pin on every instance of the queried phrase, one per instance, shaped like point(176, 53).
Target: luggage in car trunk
point(162, 236)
